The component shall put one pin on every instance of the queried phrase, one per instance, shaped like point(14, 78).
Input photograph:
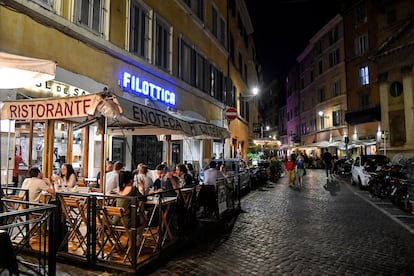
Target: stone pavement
point(326, 228)
point(323, 229)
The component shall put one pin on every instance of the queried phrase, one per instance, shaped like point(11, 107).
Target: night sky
point(283, 28)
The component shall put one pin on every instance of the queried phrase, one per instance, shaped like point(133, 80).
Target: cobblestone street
point(322, 229)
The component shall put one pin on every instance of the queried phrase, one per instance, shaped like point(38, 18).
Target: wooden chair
point(148, 236)
point(118, 235)
point(74, 209)
point(186, 196)
point(15, 205)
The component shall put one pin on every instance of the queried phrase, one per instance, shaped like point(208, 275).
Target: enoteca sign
point(71, 107)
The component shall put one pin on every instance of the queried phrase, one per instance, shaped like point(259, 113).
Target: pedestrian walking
point(300, 169)
point(290, 171)
point(327, 160)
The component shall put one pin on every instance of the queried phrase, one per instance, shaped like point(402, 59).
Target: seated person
point(109, 168)
point(112, 179)
point(166, 182)
point(185, 179)
point(126, 189)
point(142, 180)
point(191, 170)
point(67, 176)
point(211, 175)
point(36, 184)
point(207, 195)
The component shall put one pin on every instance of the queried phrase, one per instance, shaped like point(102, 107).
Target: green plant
point(275, 170)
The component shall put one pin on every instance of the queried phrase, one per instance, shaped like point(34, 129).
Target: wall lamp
point(246, 98)
point(321, 114)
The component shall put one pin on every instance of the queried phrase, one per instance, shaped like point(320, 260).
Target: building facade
point(364, 111)
point(352, 84)
point(394, 58)
point(188, 59)
point(317, 101)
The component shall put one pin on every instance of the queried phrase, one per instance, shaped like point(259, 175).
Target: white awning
point(320, 144)
point(337, 144)
point(20, 71)
point(201, 128)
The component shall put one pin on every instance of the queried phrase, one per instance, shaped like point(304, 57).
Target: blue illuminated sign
point(146, 88)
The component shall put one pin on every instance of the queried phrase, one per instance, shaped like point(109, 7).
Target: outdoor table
point(186, 196)
point(90, 182)
point(164, 207)
point(74, 209)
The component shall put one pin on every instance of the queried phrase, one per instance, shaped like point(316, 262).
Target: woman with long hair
point(67, 176)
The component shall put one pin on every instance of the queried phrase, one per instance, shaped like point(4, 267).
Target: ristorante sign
point(71, 107)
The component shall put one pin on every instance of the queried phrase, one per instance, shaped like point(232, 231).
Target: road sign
point(231, 113)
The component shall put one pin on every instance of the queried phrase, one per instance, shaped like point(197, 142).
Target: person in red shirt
point(290, 171)
point(17, 161)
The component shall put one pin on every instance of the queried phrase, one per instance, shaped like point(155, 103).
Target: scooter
point(343, 167)
point(382, 181)
point(400, 195)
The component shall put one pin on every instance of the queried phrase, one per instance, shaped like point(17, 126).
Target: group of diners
point(165, 180)
point(35, 183)
point(120, 182)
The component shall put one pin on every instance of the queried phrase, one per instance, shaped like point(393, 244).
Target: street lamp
point(262, 130)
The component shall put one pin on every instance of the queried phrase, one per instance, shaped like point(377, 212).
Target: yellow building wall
point(81, 58)
point(118, 21)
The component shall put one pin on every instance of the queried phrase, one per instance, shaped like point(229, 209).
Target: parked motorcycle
point(382, 181)
point(343, 166)
point(400, 196)
point(258, 176)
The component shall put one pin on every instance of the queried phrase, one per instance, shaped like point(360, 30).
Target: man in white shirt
point(212, 174)
point(207, 195)
point(36, 184)
point(112, 178)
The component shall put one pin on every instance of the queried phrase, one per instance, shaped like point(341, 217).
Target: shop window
point(139, 30)
point(396, 89)
point(336, 118)
point(147, 149)
point(361, 44)
point(118, 149)
point(60, 146)
point(89, 14)
point(48, 4)
point(77, 149)
point(364, 75)
point(336, 89)
point(37, 153)
point(163, 45)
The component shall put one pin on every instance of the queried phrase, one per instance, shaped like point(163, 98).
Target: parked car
point(236, 170)
point(364, 166)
